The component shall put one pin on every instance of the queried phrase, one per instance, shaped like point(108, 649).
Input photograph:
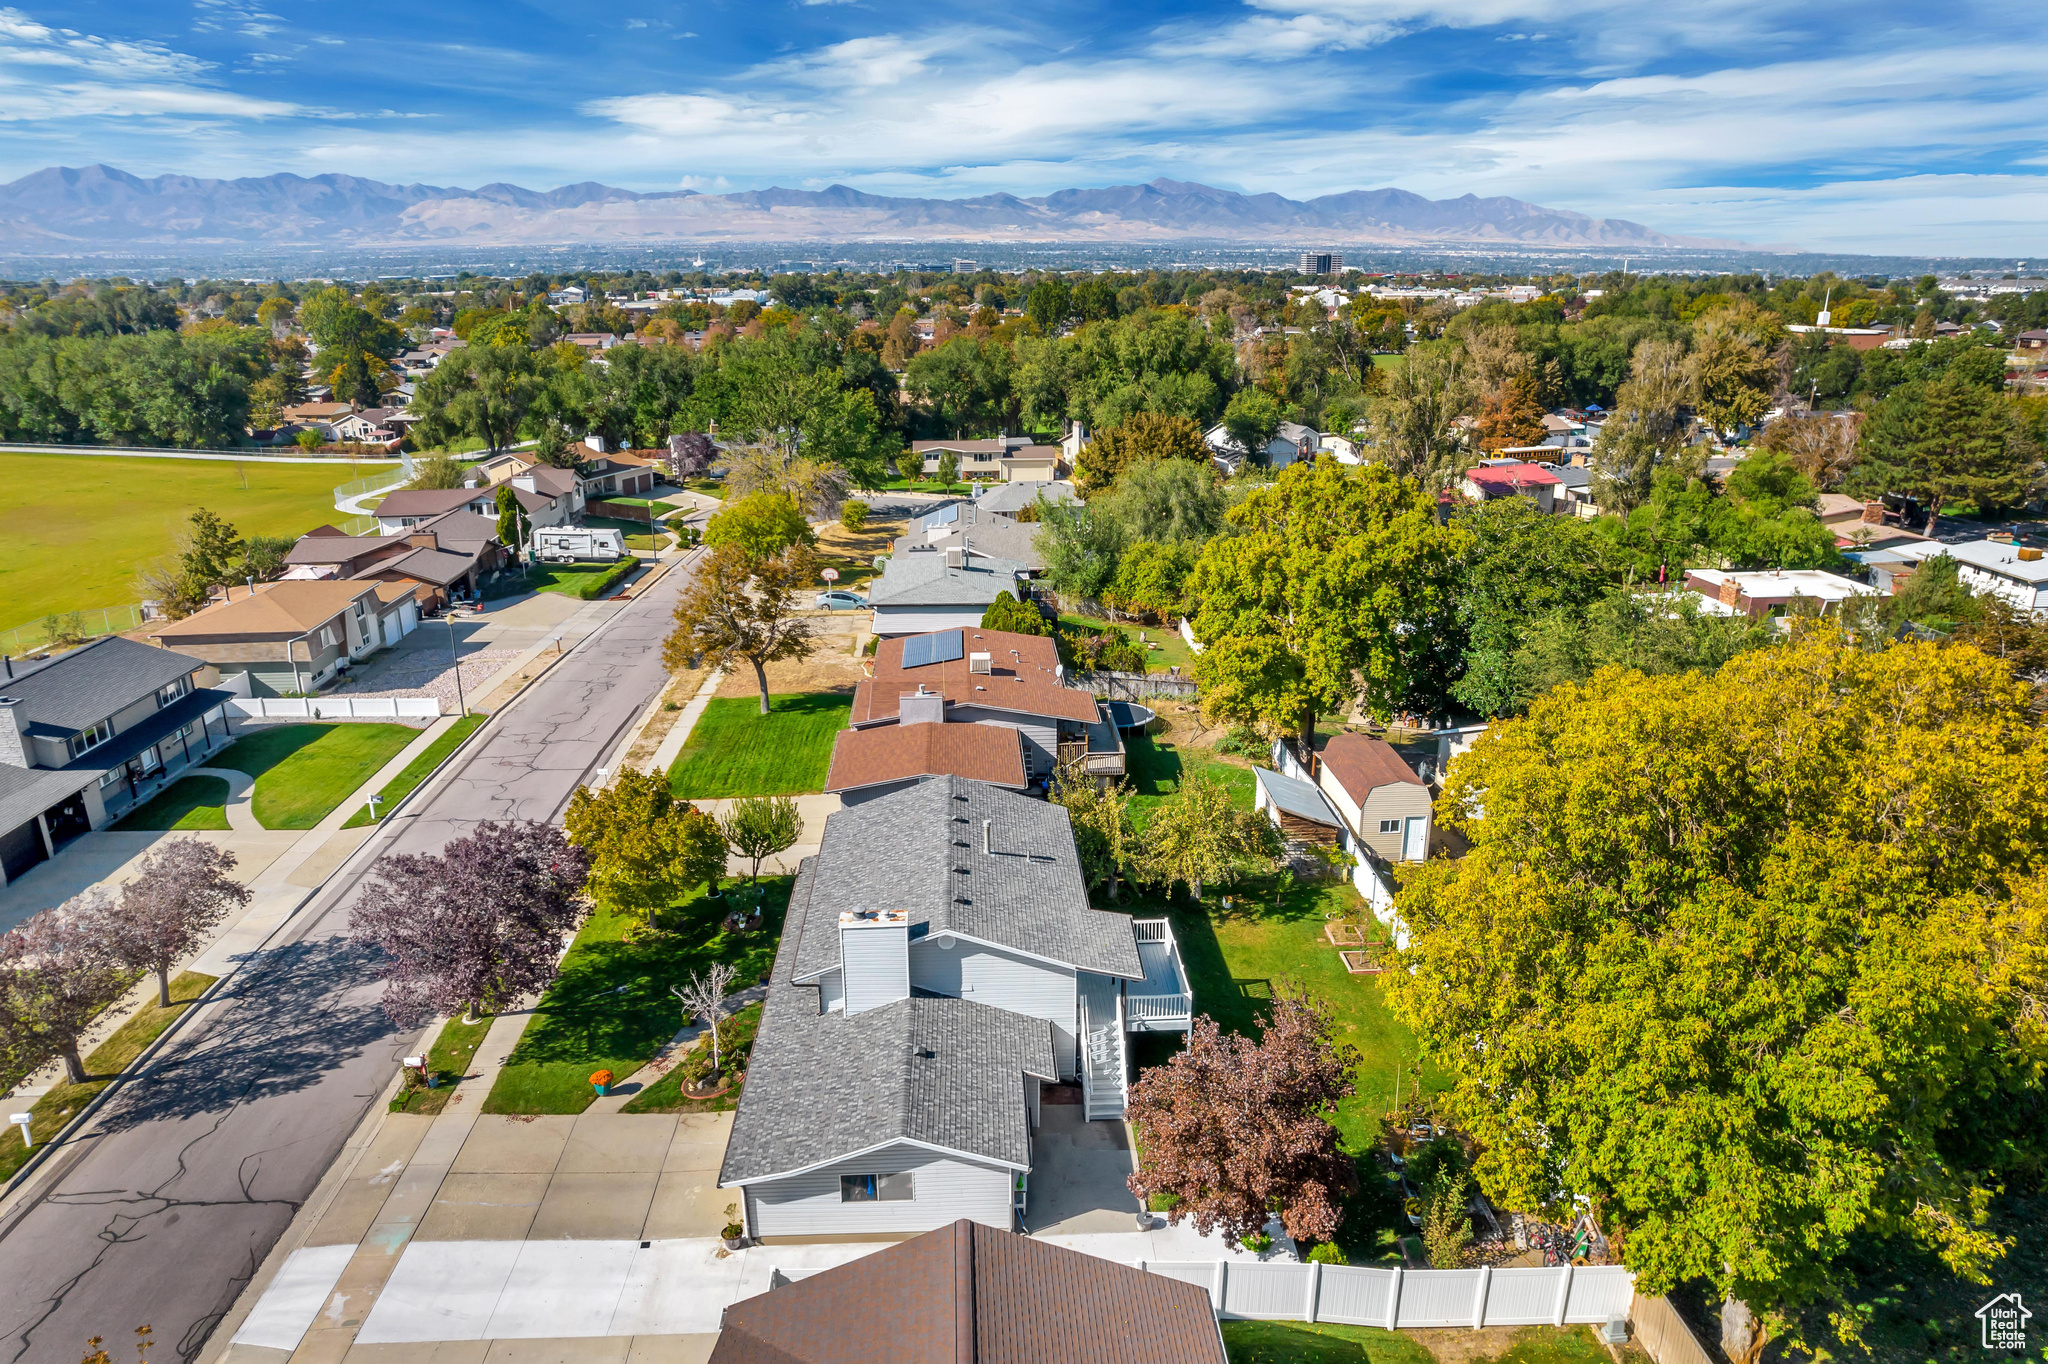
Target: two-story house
point(991, 677)
point(87, 733)
point(939, 963)
point(289, 638)
point(549, 497)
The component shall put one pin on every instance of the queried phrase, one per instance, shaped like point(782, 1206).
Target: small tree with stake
point(1236, 1130)
point(759, 827)
point(740, 608)
point(180, 891)
point(55, 977)
point(475, 926)
point(703, 997)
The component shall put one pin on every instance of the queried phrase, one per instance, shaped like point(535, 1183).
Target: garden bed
point(671, 1093)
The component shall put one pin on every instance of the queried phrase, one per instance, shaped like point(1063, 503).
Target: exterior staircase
point(1105, 1064)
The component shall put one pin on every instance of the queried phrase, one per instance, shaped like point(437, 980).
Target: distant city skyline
point(1868, 128)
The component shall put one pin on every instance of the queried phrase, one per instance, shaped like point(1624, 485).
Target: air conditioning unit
point(979, 663)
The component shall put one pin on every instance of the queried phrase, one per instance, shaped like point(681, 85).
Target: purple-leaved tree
point(478, 925)
point(55, 977)
point(180, 891)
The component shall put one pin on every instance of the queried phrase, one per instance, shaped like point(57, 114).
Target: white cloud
point(57, 73)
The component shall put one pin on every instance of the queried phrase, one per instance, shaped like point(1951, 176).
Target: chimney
point(874, 958)
point(1873, 513)
point(923, 708)
point(14, 749)
point(980, 663)
point(1731, 592)
point(427, 541)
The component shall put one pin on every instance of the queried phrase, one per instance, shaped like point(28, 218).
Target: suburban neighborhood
point(1184, 815)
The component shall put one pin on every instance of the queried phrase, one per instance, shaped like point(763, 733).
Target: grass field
point(303, 772)
point(79, 528)
point(586, 581)
point(447, 1061)
point(1288, 1342)
point(188, 803)
point(737, 751)
point(1172, 651)
point(102, 1064)
point(1156, 765)
point(610, 1008)
point(402, 785)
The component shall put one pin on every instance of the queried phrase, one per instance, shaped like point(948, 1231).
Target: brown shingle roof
point(1362, 764)
point(280, 610)
point(970, 1294)
point(868, 757)
point(1026, 682)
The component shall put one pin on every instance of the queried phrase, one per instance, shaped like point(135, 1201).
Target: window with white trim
point(876, 1189)
point(1390, 826)
point(172, 693)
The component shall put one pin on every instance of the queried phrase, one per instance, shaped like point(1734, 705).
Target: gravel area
point(426, 674)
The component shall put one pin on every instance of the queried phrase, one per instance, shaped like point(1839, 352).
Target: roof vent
point(980, 663)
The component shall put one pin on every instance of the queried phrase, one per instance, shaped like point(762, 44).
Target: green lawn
point(611, 1008)
point(1289, 1342)
point(1172, 651)
point(930, 485)
point(417, 771)
point(304, 771)
point(188, 803)
point(587, 581)
point(1155, 767)
point(448, 1061)
point(102, 1064)
point(735, 1039)
point(636, 533)
point(78, 528)
point(737, 751)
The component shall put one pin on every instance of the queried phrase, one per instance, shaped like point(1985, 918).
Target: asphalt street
point(162, 1213)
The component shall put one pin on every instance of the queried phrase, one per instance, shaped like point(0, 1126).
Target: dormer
point(874, 958)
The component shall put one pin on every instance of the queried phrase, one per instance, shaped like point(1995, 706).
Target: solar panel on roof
point(920, 650)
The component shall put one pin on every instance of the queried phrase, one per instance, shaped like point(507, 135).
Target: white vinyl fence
point(336, 707)
point(1399, 1298)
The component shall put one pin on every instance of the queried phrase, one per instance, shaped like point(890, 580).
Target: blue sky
point(1872, 126)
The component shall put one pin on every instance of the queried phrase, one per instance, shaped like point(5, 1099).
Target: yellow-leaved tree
point(1752, 959)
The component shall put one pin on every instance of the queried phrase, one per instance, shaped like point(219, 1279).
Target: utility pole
point(448, 619)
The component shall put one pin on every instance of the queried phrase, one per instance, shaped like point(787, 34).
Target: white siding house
point(916, 1189)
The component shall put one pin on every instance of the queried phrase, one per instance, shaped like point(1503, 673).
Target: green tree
point(1946, 440)
point(1142, 438)
point(1649, 632)
point(1018, 618)
point(1105, 839)
point(1049, 303)
point(1151, 579)
point(1339, 581)
point(759, 827)
point(355, 345)
point(965, 384)
point(1252, 419)
point(1174, 501)
point(515, 529)
point(1412, 423)
point(1749, 960)
point(1519, 564)
point(763, 524)
point(1646, 428)
point(949, 468)
point(741, 609)
point(646, 848)
point(1081, 545)
point(479, 391)
point(212, 552)
point(438, 472)
point(1933, 595)
point(1197, 837)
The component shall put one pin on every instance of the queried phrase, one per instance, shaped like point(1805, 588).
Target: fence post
point(1315, 1288)
point(1222, 1279)
point(1564, 1294)
point(1479, 1296)
point(1394, 1298)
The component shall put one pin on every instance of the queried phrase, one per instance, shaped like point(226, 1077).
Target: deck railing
point(1151, 930)
point(1146, 1009)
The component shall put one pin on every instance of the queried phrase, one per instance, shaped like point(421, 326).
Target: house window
point(875, 1189)
point(169, 695)
point(1390, 826)
point(91, 738)
point(113, 778)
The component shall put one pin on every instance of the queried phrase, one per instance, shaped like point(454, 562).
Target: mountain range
point(99, 207)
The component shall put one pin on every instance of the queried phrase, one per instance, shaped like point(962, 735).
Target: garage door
point(20, 849)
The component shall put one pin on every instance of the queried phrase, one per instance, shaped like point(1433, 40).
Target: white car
point(842, 601)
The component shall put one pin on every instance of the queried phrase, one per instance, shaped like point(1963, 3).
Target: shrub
point(1328, 1253)
point(854, 515)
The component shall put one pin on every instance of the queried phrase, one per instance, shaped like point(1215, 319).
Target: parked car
point(842, 601)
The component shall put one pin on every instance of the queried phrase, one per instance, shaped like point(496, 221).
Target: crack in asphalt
point(291, 1024)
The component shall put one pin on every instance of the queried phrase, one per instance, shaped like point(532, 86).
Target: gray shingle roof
point(87, 684)
point(947, 1072)
point(1012, 498)
point(925, 580)
point(26, 791)
point(920, 851)
point(991, 538)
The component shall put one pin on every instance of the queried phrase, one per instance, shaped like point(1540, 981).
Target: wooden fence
point(1117, 686)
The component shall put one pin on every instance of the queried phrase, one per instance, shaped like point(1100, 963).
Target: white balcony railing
point(1163, 1001)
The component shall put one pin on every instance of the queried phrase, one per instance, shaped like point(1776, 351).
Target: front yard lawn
point(611, 1009)
point(638, 534)
point(585, 581)
point(303, 772)
point(417, 771)
point(61, 1104)
point(735, 1041)
point(737, 751)
point(448, 1061)
point(187, 803)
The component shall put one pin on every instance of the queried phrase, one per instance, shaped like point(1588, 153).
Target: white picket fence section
point(336, 707)
point(1402, 1298)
